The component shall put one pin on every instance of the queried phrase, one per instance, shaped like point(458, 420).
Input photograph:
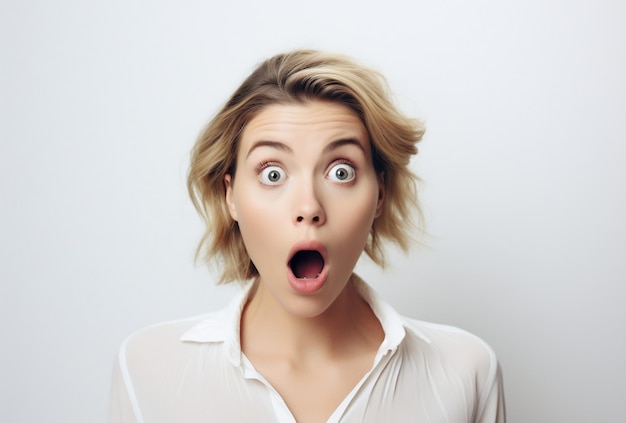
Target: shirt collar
point(223, 326)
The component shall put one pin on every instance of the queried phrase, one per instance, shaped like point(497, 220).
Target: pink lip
point(308, 286)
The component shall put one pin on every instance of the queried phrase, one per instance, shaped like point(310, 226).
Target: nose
point(308, 208)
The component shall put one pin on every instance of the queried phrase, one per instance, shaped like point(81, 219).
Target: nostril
point(314, 219)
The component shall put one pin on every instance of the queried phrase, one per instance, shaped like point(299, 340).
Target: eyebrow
point(274, 144)
point(284, 147)
point(341, 142)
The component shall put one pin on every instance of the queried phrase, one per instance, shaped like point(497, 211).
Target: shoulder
point(455, 348)
point(163, 333)
point(454, 367)
point(164, 365)
point(162, 352)
point(213, 327)
point(170, 342)
point(178, 341)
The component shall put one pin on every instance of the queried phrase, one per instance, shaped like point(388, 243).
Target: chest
point(400, 387)
point(316, 393)
point(396, 389)
point(393, 391)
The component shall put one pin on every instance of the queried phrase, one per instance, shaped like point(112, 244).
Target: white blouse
point(194, 371)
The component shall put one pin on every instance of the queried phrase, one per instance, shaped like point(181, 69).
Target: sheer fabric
point(193, 370)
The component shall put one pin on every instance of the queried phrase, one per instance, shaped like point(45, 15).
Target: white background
point(523, 164)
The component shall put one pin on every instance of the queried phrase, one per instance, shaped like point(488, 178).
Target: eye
point(342, 172)
point(272, 175)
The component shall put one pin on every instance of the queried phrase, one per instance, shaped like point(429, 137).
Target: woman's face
point(305, 195)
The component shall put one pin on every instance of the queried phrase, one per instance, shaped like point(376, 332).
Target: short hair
point(297, 77)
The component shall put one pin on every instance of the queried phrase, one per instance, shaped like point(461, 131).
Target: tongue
point(307, 264)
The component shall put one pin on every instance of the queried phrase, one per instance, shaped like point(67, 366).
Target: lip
point(308, 286)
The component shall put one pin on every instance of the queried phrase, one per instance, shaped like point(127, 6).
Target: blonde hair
point(297, 77)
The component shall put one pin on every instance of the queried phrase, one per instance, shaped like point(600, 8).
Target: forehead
point(303, 121)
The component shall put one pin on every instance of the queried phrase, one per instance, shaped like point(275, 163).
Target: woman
point(304, 168)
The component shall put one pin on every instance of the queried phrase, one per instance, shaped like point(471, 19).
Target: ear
point(228, 184)
point(381, 195)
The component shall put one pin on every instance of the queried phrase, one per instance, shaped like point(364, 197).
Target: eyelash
point(342, 161)
point(264, 165)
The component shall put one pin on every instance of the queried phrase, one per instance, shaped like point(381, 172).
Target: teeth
point(308, 279)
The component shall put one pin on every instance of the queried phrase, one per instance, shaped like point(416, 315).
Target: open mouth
point(307, 264)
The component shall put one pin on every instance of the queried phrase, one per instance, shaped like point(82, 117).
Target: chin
point(314, 305)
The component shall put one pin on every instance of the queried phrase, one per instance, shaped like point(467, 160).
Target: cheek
point(258, 221)
point(250, 218)
point(356, 221)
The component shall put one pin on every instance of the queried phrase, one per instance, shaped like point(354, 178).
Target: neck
point(348, 324)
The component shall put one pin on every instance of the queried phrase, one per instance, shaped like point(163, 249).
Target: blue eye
point(272, 175)
point(342, 172)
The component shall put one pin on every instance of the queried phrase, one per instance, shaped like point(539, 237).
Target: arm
point(492, 406)
point(120, 406)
